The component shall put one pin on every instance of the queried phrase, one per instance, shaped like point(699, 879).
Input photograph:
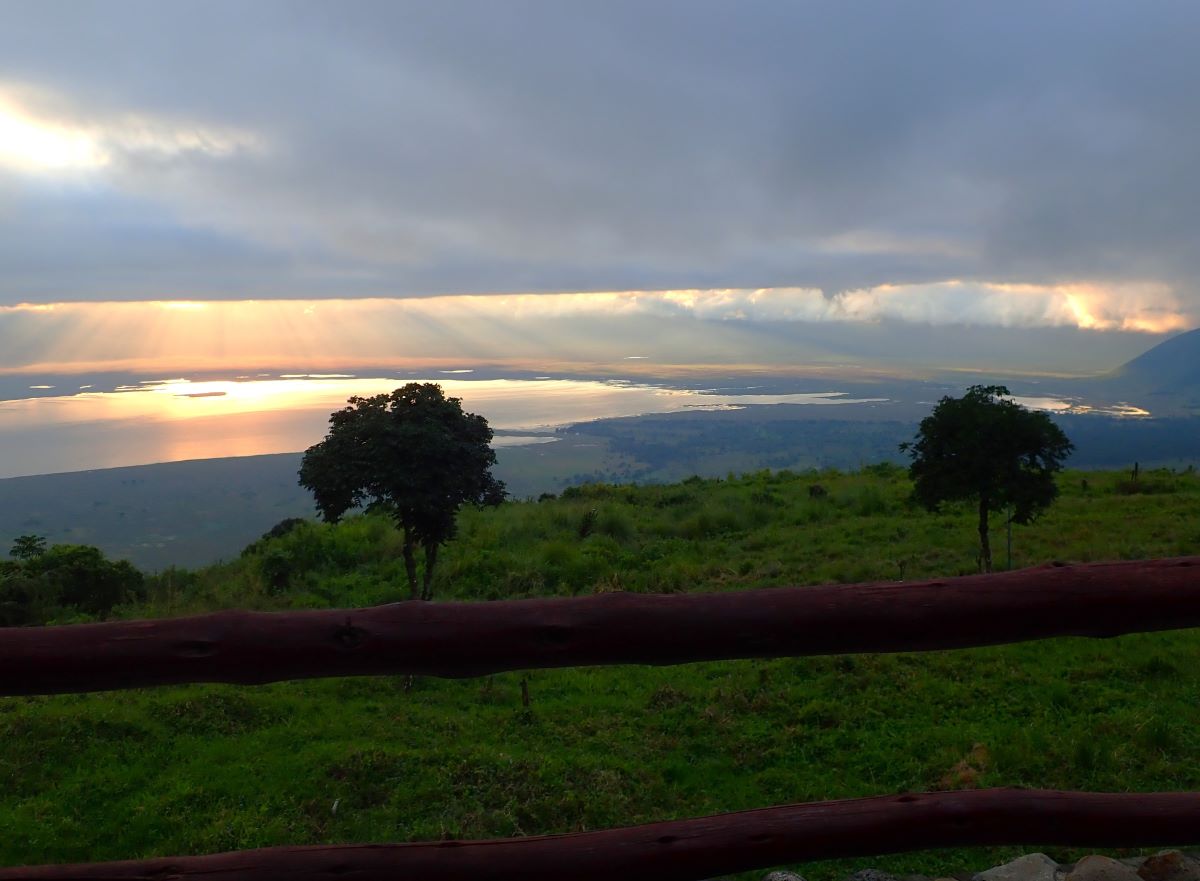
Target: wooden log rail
point(683, 850)
point(472, 639)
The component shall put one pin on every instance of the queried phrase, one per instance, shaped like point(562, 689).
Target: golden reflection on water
point(176, 419)
point(512, 403)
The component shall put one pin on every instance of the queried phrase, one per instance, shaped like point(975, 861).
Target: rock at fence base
point(1170, 865)
point(1031, 867)
point(781, 875)
point(872, 875)
point(1098, 868)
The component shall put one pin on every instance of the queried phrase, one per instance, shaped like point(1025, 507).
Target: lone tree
point(413, 454)
point(985, 446)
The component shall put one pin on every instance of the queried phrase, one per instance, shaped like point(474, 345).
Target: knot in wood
point(348, 636)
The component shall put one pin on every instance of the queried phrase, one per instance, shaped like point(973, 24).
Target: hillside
point(1166, 379)
point(175, 513)
point(1172, 366)
point(201, 769)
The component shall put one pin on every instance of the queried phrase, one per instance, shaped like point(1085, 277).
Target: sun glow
point(540, 330)
point(1145, 307)
point(31, 144)
point(36, 141)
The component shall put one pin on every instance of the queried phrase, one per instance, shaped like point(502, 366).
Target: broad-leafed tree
point(413, 454)
point(986, 447)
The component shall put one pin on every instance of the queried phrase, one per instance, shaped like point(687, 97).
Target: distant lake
point(55, 424)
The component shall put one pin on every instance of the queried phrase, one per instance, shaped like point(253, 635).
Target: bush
point(615, 523)
point(21, 602)
point(68, 579)
point(81, 577)
point(886, 470)
point(279, 530)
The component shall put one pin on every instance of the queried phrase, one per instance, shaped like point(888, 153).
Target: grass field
point(200, 769)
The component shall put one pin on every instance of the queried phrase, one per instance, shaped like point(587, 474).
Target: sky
point(300, 183)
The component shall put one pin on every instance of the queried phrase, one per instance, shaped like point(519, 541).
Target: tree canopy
point(984, 446)
point(413, 454)
point(63, 580)
point(27, 547)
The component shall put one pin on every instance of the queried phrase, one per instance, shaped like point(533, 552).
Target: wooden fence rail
point(684, 850)
point(471, 639)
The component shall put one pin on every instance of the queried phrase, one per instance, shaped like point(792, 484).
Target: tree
point(984, 446)
point(413, 454)
point(27, 547)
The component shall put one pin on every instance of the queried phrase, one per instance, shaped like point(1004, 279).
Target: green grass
point(201, 769)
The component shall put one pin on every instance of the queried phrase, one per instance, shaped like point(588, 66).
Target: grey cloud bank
point(260, 150)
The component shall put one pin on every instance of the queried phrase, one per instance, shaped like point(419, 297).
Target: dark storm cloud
point(416, 148)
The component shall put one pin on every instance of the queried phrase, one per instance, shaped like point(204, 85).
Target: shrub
point(81, 577)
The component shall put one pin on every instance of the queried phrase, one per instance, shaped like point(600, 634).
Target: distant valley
point(191, 513)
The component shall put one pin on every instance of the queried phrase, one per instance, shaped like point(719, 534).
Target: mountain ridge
point(1164, 379)
point(1169, 364)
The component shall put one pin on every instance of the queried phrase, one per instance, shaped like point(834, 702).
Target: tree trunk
point(431, 550)
point(410, 564)
point(985, 546)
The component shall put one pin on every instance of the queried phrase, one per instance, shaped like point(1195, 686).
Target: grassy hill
point(200, 769)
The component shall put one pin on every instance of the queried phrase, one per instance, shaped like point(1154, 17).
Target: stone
point(781, 875)
point(1031, 867)
point(1170, 865)
point(872, 875)
point(1098, 868)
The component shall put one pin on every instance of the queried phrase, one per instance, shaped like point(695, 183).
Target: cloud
point(1148, 307)
point(382, 149)
point(1028, 328)
point(56, 141)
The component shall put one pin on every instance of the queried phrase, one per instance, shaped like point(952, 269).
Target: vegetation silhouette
point(985, 446)
point(27, 547)
point(413, 454)
point(63, 582)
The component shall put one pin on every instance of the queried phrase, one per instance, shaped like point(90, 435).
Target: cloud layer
point(974, 156)
point(1028, 329)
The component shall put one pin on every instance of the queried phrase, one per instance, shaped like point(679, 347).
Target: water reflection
point(1076, 406)
point(176, 418)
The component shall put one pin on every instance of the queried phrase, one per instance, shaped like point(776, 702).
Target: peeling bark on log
point(684, 850)
point(473, 639)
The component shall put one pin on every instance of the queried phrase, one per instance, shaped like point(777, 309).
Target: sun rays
point(585, 328)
